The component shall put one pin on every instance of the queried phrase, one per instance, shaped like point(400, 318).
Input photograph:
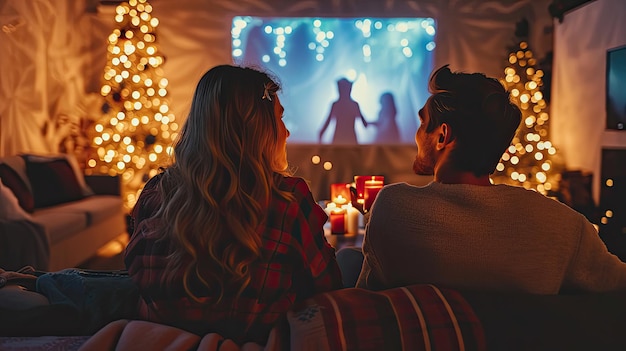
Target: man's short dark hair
point(480, 113)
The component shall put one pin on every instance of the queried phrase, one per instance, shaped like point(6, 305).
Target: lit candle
point(352, 219)
point(340, 200)
point(370, 190)
point(340, 192)
point(338, 221)
point(329, 207)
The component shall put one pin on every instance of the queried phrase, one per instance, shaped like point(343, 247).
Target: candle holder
point(372, 187)
point(359, 186)
point(366, 189)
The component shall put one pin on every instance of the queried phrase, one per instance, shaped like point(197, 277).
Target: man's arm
point(594, 268)
point(371, 276)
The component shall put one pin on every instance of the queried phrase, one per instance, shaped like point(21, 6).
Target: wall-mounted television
point(383, 64)
point(616, 88)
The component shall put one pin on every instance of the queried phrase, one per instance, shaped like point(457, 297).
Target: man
point(463, 232)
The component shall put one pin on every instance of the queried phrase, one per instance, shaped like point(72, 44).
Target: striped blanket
point(417, 317)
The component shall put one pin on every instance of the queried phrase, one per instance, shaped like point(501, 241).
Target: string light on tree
point(134, 136)
point(530, 161)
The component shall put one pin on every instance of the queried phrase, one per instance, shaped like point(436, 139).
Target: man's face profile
point(424, 163)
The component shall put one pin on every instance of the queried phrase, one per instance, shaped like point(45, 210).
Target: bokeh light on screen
point(309, 55)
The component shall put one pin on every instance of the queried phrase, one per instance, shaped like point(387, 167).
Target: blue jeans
point(98, 296)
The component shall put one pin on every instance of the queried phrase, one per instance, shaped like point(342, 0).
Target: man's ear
point(444, 136)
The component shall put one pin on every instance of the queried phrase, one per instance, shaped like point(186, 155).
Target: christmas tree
point(134, 136)
point(530, 161)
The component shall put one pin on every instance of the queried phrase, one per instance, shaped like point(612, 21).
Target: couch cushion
point(96, 208)
point(12, 180)
point(53, 182)
point(16, 297)
point(60, 225)
point(416, 317)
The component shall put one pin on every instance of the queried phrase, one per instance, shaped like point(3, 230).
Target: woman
point(224, 240)
point(388, 132)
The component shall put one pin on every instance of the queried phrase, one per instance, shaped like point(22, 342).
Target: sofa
point(51, 215)
point(97, 312)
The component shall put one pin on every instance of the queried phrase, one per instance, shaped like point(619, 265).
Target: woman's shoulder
point(294, 184)
point(149, 195)
point(154, 181)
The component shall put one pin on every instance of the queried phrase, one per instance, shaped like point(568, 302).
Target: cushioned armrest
point(23, 243)
point(104, 184)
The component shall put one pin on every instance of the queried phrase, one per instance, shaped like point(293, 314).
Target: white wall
point(578, 108)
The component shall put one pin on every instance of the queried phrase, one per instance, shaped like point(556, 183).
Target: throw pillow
point(71, 159)
point(10, 209)
point(415, 317)
point(18, 187)
point(79, 175)
point(53, 182)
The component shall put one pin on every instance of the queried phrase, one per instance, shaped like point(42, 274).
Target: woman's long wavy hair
point(217, 191)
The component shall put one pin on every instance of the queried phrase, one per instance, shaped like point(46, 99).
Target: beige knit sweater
point(493, 238)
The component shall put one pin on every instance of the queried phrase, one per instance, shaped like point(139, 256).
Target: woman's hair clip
point(266, 93)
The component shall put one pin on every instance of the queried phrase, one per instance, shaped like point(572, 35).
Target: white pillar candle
point(352, 219)
point(329, 207)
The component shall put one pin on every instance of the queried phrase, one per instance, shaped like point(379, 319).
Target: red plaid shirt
point(297, 263)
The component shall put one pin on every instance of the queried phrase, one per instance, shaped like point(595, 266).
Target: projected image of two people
point(345, 112)
point(345, 81)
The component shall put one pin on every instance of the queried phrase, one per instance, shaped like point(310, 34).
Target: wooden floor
point(110, 257)
point(100, 263)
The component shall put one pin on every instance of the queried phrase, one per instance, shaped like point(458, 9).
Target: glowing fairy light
point(126, 136)
point(528, 159)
